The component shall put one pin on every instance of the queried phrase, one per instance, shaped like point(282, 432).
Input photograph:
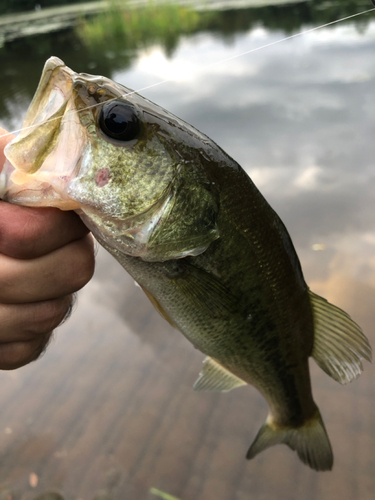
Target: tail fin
point(310, 441)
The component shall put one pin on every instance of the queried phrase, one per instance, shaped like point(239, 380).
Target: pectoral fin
point(339, 343)
point(206, 292)
point(158, 307)
point(215, 377)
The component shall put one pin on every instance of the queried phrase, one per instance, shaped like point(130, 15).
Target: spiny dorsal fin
point(215, 377)
point(339, 343)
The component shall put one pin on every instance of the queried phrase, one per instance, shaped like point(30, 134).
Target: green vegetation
point(135, 28)
point(107, 43)
point(162, 494)
point(335, 7)
point(123, 29)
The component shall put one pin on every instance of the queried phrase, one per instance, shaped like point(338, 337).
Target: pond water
point(108, 412)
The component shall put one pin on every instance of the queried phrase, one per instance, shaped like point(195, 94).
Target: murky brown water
point(109, 413)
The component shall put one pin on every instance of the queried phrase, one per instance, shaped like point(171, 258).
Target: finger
point(28, 322)
point(58, 273)
point(5, 137)
point(16, 354)
point(27, 233)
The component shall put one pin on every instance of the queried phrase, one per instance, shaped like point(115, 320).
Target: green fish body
point(192, 229)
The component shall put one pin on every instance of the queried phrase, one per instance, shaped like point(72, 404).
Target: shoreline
point(22, 24)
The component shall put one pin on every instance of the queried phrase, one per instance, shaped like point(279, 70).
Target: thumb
point(5, 137)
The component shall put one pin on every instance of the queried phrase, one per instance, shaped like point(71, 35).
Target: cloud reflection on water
point(300, 118)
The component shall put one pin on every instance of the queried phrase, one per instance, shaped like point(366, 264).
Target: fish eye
point(118, 120)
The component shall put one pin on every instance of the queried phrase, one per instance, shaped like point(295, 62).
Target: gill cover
point(189, 222)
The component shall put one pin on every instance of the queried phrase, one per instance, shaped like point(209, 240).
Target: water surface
point(108, 412)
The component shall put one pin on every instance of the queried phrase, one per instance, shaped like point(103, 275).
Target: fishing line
point(256, 49)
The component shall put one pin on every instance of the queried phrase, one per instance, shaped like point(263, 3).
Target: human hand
point(45, 256)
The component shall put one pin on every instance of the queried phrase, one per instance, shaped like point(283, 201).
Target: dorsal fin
point(339, 343)
point(215, 377)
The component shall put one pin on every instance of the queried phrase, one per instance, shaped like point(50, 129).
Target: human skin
point(45, 256)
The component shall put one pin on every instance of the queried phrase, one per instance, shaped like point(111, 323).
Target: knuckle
point(36, 320)
point(83, 264)
point(16, 354)
point(18, 236)
point(49, 314)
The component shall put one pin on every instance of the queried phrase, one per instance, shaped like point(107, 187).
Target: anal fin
point(339, 343)
point(215, 377)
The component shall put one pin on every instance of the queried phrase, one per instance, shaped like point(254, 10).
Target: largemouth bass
point(192, 229)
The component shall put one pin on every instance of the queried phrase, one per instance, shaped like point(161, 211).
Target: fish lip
point(30, 177)
point(40, 108)
point(50, 100)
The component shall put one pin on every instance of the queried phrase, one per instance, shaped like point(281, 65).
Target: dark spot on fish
point(102, 177)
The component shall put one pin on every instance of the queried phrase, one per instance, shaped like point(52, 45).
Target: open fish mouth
point(52, 94)
point(36, 172)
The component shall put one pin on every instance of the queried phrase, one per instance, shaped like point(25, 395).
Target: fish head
point(128, 167)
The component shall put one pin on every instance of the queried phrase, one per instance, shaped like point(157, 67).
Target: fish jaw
point(42, 159)
point(50, 161)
